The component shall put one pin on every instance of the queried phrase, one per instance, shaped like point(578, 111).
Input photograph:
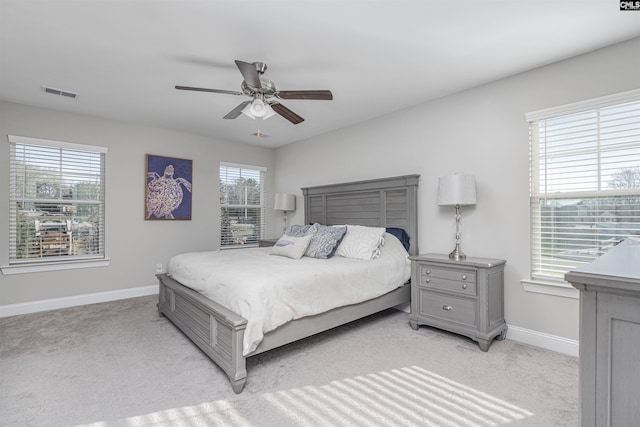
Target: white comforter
point(270, 290)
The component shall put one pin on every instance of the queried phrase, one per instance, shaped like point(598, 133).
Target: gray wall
point(133, 244)
point(481, 131)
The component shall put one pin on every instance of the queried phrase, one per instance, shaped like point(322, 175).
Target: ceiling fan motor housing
point(268, 88)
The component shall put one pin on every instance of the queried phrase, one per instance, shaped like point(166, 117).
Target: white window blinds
point(585, 181)
point(56, 196)
point(242, 204)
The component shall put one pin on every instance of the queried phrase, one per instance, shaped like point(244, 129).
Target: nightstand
point(465, 297)
point(263, 243)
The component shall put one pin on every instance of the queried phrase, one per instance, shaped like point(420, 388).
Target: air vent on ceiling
point(60, 92)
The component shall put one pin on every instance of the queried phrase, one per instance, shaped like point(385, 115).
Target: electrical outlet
point(159, 268)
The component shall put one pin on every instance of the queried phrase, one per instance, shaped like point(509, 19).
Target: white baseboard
point(72, 301)
point(539, 339)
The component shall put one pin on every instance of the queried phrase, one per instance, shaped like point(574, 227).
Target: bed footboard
point(216, 330)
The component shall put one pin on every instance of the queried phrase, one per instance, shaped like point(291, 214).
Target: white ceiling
point(124, 57)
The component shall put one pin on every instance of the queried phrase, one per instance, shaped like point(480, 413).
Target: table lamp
point(457, 190)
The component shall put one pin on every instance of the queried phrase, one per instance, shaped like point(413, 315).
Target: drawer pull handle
point(464, 286)
point(428, 272)
point(464, 277)
point(447, 307)
point(427, 280)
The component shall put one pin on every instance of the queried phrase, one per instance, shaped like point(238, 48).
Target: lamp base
point(284, 222)
point(457, 254)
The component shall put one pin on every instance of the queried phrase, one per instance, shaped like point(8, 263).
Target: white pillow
point(361, 242)
point(292, 247)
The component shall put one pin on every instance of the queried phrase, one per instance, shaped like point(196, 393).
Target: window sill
point(53, 266)
point(559, 289)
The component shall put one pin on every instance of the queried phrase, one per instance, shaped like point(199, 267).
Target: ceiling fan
point(265, 96)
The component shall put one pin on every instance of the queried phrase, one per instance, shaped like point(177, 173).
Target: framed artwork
point(168, 188)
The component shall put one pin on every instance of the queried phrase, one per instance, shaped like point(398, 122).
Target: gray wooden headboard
point(385, 202)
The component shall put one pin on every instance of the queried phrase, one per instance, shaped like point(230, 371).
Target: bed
point(220, 332)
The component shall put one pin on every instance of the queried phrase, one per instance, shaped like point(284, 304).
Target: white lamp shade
point(285, 202)
point(457, 190)
point(257, 109)
point(247, 112)
point(269, 113)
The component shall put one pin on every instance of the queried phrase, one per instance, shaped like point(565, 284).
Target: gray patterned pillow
point(325, 240)
point(300, 230)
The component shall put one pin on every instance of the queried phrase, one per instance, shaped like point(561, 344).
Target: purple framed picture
point(168, 188)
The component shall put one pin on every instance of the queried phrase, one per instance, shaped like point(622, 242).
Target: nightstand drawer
point(458, 287)
point(461, 275)
point(457, 281)
point(447, 307)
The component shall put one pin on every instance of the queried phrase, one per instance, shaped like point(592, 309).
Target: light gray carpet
point(120, 364)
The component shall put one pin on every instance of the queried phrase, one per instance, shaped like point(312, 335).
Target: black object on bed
point(401, 235)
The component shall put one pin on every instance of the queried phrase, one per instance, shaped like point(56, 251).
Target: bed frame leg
point(160, 313)
point(238, 385)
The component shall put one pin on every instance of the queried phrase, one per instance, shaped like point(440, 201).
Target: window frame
point(607, 194)
point(262, 171)
point(61, 261)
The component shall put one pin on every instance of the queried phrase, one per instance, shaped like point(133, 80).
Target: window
point(56, 196)
point(242, 207)
point(585, 181)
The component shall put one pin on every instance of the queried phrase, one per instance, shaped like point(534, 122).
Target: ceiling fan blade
point(202, 89)
point(250, 74)
point(237, 111)
point(305, 94)
point(286, 113)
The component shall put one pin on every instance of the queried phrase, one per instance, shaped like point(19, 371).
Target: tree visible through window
point(242, 190)
point(585, 181)
point(56, 201)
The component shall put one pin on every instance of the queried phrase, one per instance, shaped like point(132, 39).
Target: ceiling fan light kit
point(258, 109)
point(262, 91)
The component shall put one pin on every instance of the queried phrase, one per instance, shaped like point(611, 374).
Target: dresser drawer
point(457, 281)
point(448, 307)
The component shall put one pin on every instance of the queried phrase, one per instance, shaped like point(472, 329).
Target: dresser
point(610, 336)
point(465, 297)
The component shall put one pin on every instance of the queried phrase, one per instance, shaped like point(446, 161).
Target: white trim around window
point(56, 205)
point(584, 184)
point(243, 190)
point(54, 266)
point(558, 289)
